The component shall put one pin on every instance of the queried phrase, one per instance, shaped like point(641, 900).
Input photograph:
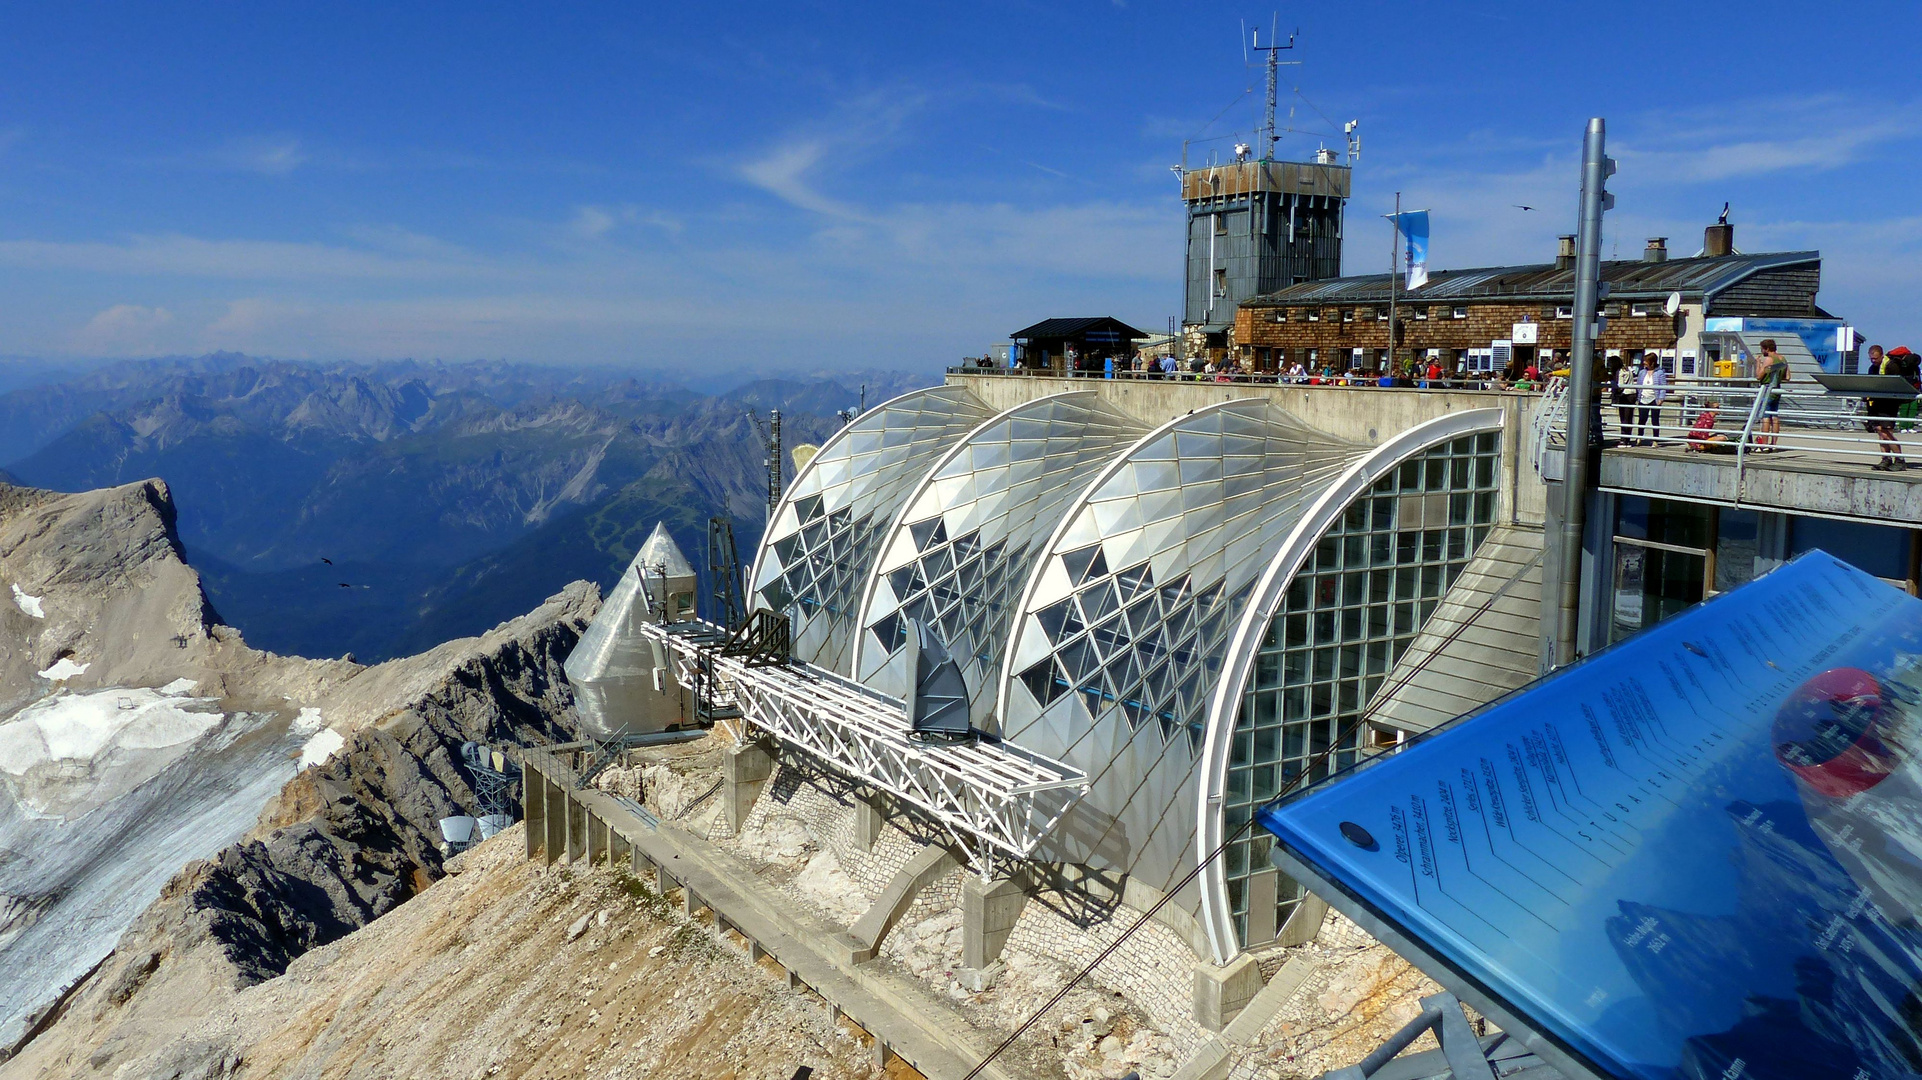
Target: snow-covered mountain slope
point(145, 750)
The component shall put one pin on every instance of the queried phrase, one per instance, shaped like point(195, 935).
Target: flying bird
point(344, 585)
point(327, 560)
point(1519, 206)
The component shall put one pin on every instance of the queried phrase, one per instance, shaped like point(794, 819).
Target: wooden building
point(1498, 318)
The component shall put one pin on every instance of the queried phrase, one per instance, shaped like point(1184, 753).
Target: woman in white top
point(1653, 391)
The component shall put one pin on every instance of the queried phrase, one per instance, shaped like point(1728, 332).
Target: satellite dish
point(1674, 304)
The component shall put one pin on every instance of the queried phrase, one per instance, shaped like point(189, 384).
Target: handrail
point(1813, 421)
point(1755, 411)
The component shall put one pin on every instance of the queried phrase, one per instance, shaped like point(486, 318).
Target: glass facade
point(972, 531)
point(826, 533)
point(1125, 631)
point(1351, 610)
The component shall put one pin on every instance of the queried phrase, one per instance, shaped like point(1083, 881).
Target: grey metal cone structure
point(623, 682)
point(940, 703)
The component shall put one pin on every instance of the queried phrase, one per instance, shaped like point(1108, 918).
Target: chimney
point(1564, 252)
point(1657, 249)
point(1718, 240)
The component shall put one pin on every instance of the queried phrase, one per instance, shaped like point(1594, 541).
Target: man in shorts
point(1881, 414)
point(1771, 369)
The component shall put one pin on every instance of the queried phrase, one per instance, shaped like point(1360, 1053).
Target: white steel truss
point(993, 797)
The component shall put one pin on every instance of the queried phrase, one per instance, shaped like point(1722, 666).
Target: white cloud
point(595, 222)
point(174, 256)
point(269, 156)
point(123, 330)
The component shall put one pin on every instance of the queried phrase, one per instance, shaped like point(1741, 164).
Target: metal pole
point(1577, 476)
point(1394, 257)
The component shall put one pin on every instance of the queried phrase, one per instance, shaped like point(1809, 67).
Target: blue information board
point(1696, 855)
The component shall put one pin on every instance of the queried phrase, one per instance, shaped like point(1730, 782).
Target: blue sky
point(891, 185)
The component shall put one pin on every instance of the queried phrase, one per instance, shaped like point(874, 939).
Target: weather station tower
point(1256, 225)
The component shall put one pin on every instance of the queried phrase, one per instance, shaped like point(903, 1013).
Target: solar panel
point(1696, 855)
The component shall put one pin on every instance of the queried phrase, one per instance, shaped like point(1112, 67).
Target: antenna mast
point(1273, 64)
point(771, 442)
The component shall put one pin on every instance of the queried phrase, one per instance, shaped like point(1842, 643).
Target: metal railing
point(1809, 423)
point(1479, 382)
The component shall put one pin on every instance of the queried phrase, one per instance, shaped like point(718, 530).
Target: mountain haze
point(380, 509)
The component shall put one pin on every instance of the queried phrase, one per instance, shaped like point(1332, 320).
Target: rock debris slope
point(503, 970)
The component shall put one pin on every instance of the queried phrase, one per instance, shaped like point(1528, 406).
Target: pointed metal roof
point(662, 555)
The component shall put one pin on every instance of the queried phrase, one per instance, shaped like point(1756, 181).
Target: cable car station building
point(1188, 592)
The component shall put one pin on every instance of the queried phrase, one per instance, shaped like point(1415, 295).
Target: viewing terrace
point(1712, 445)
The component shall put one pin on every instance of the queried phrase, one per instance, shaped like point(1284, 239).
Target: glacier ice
point(101, 804)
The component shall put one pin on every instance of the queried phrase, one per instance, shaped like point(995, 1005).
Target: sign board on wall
point(1523, 333)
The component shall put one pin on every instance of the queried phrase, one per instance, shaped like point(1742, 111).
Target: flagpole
point(1394, 251)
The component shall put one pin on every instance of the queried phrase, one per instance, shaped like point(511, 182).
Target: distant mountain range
point(381, 509)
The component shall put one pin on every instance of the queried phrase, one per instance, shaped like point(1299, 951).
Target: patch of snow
point(64, 668)
point(82, 727)
point(321, 746)
point(179, 687)
point(28, 604)
point(308, 722)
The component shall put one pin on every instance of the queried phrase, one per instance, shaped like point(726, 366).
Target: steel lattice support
point(996, 799)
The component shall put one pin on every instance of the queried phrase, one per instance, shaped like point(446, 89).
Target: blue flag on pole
point(1413, 226)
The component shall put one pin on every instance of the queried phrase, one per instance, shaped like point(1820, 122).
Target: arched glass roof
point(962, 547)
point(1119, 637)
point(827, 530)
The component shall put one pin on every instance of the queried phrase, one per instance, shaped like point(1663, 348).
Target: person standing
point(1624, 394)
point(1653, 390)
point(1771, 371)
point(1882, 412)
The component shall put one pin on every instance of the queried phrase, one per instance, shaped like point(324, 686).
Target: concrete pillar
point(868, 821)
point(642, 867)
point(1262, 897)
point(754, 951)
point(1304, 922)
point(576, 829)
point(533, 809)
point(743, 770)
point(554, 798)
point(619, 851)
point(1222, 992)
point(989, 910)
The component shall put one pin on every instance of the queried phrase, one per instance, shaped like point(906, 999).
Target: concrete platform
point(1792, 481)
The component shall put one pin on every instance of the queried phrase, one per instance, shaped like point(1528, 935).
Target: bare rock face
point(94, 588)
point(352, 838)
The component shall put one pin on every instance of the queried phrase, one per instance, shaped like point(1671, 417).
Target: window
point(1421, 314)
point(1352, 609)
point(1221, 282)
point(1461, 312)
point(1641, 310)
point(1564, 311)
point(1347, 314)
point(1221, 224)
point(1876, 549)
point(1281, 315)
point(1314, 314)
point(1670, 555)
